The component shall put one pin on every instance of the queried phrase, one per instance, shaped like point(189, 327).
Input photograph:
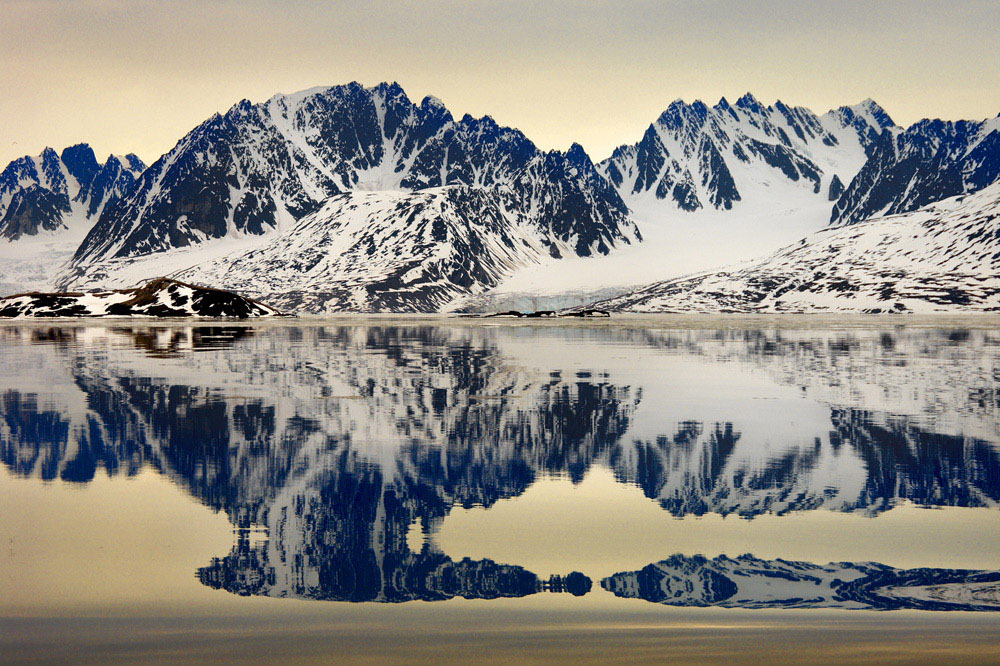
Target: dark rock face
point(81, 163)
point(929, 161)
point(836, 188)
point(161, 297)
point(115, 179)
point(41, 193)
point(281, 159)
point(31, 210)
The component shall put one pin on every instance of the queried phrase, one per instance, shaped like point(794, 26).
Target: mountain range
point(357, 198)
point(695, 156)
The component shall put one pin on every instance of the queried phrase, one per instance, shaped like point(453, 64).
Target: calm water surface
point(457, 492)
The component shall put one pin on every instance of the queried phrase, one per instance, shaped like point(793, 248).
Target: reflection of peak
point(344, 538)
point(867, 461)
point(337, 567)
point(749, 582)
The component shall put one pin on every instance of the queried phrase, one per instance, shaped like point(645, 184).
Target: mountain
point(52, 191)
point(357, 198)
point(751, 582)
point(48, 203)
point(731, 156)
point(928, 161)
point(259, 169)
point(941, 258)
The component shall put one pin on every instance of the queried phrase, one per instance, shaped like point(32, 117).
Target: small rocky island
point(160, 297)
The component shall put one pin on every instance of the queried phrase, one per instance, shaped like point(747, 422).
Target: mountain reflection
point(749, 582)
point(338, 442)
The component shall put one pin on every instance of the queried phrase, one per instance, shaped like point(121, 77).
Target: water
point(430, 491)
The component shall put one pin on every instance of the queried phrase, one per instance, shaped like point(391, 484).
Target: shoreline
point(826, 321)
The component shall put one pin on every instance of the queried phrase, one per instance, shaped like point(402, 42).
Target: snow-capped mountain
point(943, 257)
point(48, 202)
point(261, 168)
point(356, 198)
point(397, 250)
point(52, 191)
point(699, 157)
point(751, 582)
point(928, 161)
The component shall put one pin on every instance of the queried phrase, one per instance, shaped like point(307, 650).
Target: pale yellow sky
point(135, 76)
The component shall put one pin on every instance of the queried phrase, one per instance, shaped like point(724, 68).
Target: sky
point(136, 76)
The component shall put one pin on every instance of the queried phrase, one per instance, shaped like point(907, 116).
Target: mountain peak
point(871, 111)
point(81, 162)
point(135, 162)
point(577, 155)
point(390, 89)
point(432, 102)
point(239, 111)
point(749, 103)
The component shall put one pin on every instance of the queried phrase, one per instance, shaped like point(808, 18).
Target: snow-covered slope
point(365, 251)
point(395, 251)
point(157, 298)
point(941, 258)
point(699, 157)
point(48, 203)
point(928, 161)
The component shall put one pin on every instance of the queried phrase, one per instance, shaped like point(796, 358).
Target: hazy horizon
point(136, 78)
